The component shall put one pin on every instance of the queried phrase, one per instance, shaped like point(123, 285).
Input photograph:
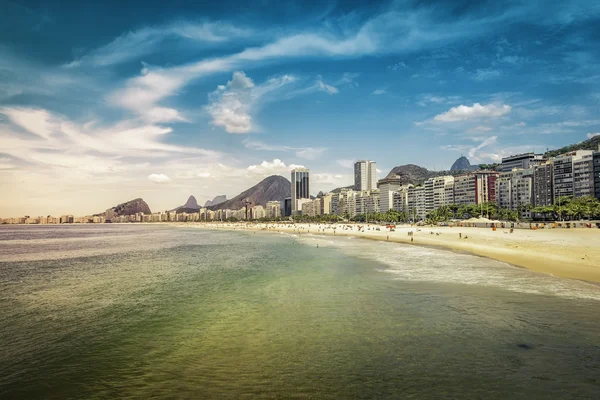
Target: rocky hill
point(132, 207)
point(461, 164)
point(190, 206)
point(275, 187)
point(590, 144)
point(217, 200)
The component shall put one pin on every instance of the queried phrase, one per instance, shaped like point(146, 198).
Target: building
point(300, 204)
point(326, 201)
point(300, 188)
point(387, 187)
point(514, 190)
point(416, 203)
point(365, 175)
point(400, 199)
point(311, 208)
point(543, 187)
point(443, 191)
point(475, 188)
point(563, 177)
point(583, 176)
point(287, 207)
point(597, 173)
point(259, 212)
point(520, 161)
point(273, 209)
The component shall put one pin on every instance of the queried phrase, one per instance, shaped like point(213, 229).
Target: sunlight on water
point(188, 313)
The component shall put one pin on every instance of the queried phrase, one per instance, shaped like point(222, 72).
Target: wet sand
point(569, 253)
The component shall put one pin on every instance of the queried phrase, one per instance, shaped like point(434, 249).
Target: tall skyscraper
point(300, 187)
point(365, 175)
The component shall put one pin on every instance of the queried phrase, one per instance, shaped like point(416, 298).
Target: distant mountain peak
point(461, 164)
point(217, 200)
point(191, 203)
point(272, 188)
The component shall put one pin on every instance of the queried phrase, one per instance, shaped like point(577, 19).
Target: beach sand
point(569, 253)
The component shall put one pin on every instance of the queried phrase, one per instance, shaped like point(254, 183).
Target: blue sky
point(101, 102)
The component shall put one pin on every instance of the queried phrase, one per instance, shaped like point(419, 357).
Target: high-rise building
point(543, 189)
point(416, 203)
point(597, 173)
point(443, 191)
point(387, 187)
point(563, 173)
point(287, 206)
point(514, 190)
point(326, 203)
point(400, 199)
point(365, 175)
point(475, 188)
point(273, 209)
point(520, 161)
point(583, 176)
point(300, 187)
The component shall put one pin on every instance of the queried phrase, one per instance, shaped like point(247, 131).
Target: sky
point(103, 102)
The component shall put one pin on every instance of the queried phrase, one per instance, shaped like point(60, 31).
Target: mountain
point(592, 143)
point(217, 200)
point(132, 207)
point(462, 164)
point(275, 187)
point(190, 206)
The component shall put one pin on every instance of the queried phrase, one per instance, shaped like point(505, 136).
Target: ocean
point(158, 311)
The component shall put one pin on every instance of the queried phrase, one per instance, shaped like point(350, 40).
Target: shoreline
point(567, 253)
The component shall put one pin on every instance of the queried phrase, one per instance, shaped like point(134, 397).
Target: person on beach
point(460, 235)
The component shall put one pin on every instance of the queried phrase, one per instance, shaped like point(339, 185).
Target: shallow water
point(141, 311)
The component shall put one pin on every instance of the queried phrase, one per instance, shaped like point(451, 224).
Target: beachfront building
point(365, 175)
point(273, 209)
point(326, 201)
point(597, 173)
point(583, 176)
point(300, 188)
point(563, 177)
point(514, 191)
point(387, 187)
point(416, 203)
point(400, 199)
point(543, 187)
point(259, 212)
point(475, 188)
point(428, 193)
point(443, 191)
point(520, 161)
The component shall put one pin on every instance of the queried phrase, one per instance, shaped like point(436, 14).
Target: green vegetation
point(570, 208)
point(489, 167)
point(455, 211)
point(590, 144)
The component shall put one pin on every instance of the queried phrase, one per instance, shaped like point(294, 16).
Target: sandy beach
point(568, 253)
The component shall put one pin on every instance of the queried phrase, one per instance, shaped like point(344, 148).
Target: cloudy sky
point(102, 102)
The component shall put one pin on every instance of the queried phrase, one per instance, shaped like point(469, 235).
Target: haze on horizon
point(100, 104)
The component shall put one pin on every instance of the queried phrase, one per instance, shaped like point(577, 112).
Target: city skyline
point(158, 102)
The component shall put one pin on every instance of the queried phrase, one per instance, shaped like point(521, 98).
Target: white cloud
point(308, 153)
point(397, 66)
point(591, 135)
point(159, 178)
point(275, 167)
point(38, 122)
point(476, 111)
point(480, 128)
point(135, 44)
point(346, 163)
point(378, 92)
point(231, 104)
point(485, 74)
point(322, 86)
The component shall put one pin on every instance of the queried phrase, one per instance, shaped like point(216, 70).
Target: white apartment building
point(416, 203)
point(273, 209)
point(387, 187)
point(563, 173)
point(583, 176)
point(520, 161)
point(514, 189)
point(443, 191)
point(365, 175)
point(259, 212)
point(400, 199)
point(326, 204)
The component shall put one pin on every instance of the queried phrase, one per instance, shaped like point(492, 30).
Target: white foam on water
point(416, 263)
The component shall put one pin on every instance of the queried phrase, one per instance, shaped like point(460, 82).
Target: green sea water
point(138, 312)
